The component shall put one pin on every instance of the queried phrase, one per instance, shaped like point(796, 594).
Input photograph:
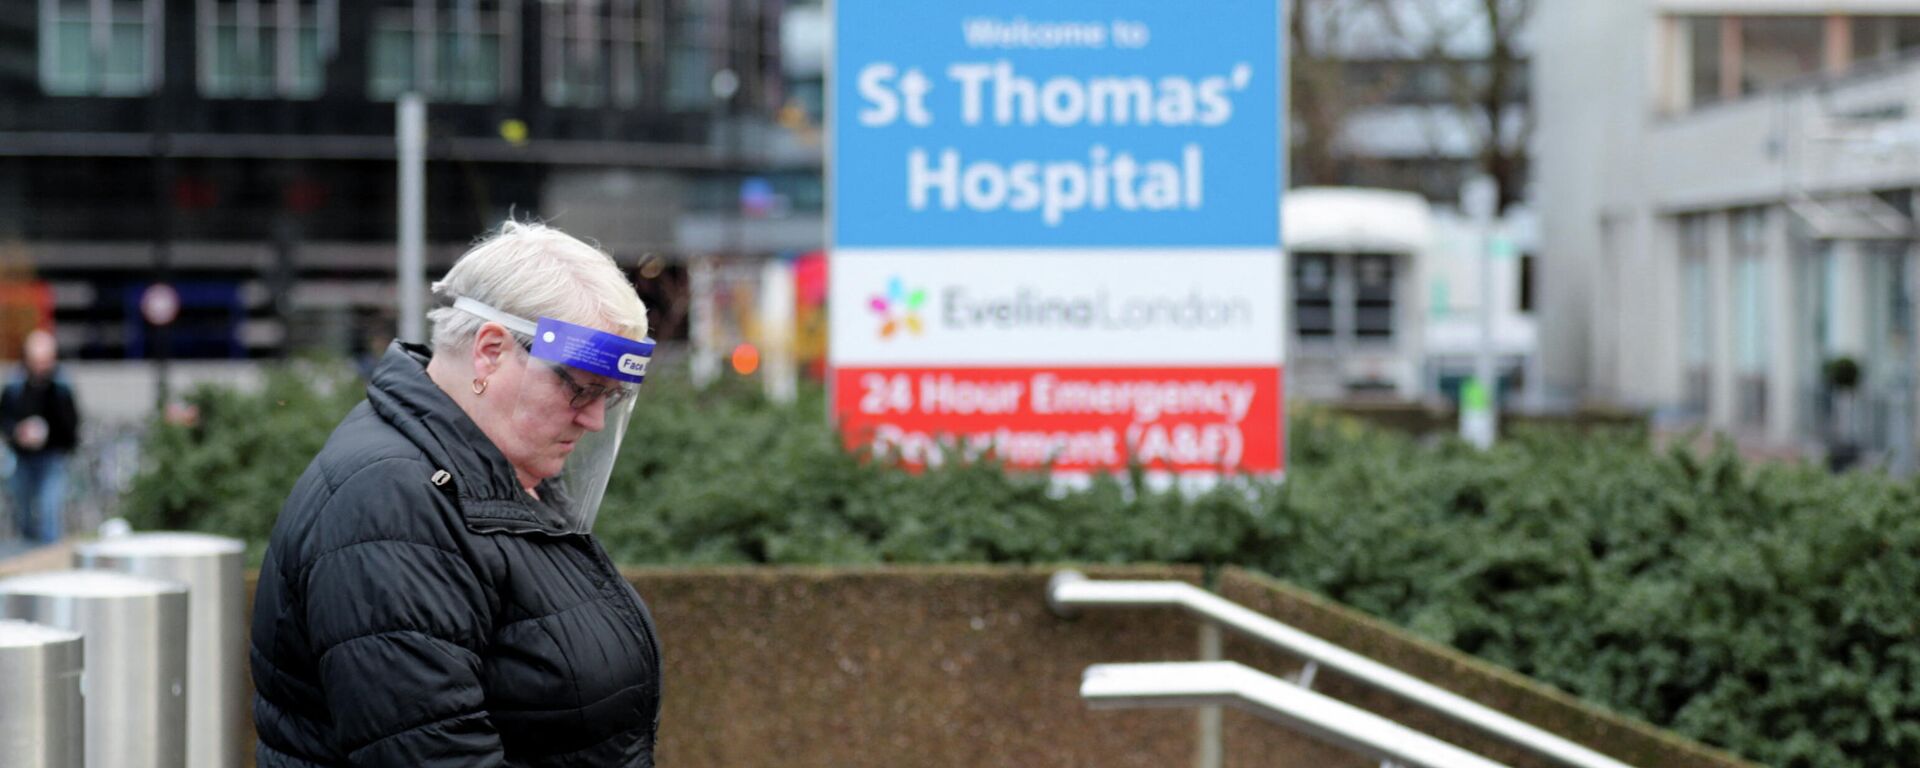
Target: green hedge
point(1767, 609)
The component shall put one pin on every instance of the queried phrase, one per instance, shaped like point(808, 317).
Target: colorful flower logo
point(899, 309)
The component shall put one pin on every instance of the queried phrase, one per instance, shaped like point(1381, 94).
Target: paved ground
point(17, 558)
point(11, 547)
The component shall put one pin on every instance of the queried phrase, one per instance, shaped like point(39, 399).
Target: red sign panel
point(1195, 419)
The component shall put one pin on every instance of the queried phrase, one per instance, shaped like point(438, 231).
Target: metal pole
point(42, 713)
point(1329, 720)
point(136, 658)
point(1478, 198)
point(411, 135)
point(1483, 365)
point(777, 375)
point(214, 568)
point(1211, 754)
point(704, 314)
point(701, 316)
point(163, 182)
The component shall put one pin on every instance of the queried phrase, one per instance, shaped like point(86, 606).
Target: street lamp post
point(1480, 400)
point(704, 312)
point(410, 133)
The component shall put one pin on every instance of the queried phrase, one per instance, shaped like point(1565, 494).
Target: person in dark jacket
point(42, 426)
point(432, 594)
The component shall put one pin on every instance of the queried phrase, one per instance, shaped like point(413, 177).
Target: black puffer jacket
point(407, 617)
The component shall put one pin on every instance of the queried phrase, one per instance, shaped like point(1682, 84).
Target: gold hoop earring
point(479, 386)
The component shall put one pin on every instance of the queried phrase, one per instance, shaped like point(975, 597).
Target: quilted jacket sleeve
point(398, 619)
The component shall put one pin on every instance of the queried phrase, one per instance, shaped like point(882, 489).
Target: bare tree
point(1478, 44)
point(1323, 92)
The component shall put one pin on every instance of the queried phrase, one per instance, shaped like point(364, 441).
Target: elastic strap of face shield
point(518, 325)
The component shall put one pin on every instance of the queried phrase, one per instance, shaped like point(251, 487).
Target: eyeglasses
point(579, 395)
point(583, 395)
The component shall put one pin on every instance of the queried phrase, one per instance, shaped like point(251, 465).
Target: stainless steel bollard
point(214, 567)
point(41, 716)
point(136, 658)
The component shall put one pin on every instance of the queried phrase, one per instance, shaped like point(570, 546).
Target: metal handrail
point(1070, 590)
point(1208, 683)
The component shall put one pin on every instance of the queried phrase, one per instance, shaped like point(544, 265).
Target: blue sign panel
point(1015, 123)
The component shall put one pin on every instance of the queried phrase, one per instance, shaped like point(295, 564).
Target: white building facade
point(1726, 210)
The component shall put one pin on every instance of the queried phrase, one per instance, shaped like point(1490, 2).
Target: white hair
point(532, 270)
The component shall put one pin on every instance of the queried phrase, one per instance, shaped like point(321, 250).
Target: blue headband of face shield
point(577, 346)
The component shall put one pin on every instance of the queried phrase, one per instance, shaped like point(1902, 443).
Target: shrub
point(1769, 609)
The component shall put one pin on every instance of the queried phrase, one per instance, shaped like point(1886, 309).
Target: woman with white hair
point(433, 594)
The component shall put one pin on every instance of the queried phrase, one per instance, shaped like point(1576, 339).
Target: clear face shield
point(571, 407)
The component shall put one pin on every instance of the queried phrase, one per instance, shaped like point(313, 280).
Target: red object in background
point(35, 296)
point(810, 311)
point(24, 306)
point(746, 359)
point(810, 278)
point(304, 196)
point(190, 194)
point(1072, 419)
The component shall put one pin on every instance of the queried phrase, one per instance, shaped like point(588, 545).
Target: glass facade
point(263, 49)
point(280, 123)
point(1728, 57)
point(1703, 61)
point(464, 52)
point(1313, 295)
point(99, 48)
point(1882, 38)
point(1696, 305)
point(1775, 51)
point(1373, 305)
point(693, 34)
point(1751, 349)
point(580, 45)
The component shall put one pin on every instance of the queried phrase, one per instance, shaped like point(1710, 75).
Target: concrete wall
point(937, 666)
point(922, 667)
point(1591, 80)
point(1827, 137)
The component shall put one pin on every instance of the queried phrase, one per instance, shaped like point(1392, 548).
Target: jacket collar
point(482, 480)
point(22, 377)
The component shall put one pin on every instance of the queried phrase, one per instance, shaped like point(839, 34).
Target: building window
point(1727, 57)
point(1751, 352)
point(1313, 295)
point(463, 51)
point(265, 48)
point(1703, 59)
point(1810, 321)
point(1527, 261)
point(1777, 50)
point(1883, 38)
point(591, 52)
point(1889, 313)
point(1373, 296)
point(574, 54)
point(1696, 304)
point(695, 38)
point(93, 48)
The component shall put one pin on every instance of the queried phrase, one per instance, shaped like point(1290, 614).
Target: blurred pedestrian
point(42, 425)
point(432, 594)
